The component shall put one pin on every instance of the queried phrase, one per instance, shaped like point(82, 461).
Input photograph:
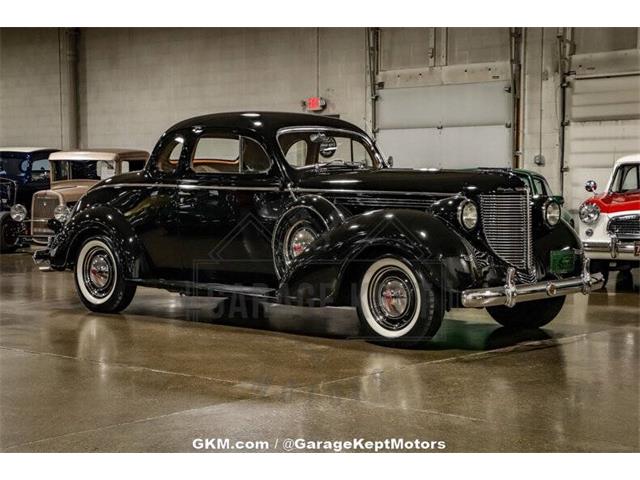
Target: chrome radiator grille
point(506, 222)
point(626, 226)
point(42, 208)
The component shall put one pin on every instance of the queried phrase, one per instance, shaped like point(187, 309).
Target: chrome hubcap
point(298, 238)
point(392, 300)
point(97, 270)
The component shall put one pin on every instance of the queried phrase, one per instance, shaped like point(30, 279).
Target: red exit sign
point(315, 104)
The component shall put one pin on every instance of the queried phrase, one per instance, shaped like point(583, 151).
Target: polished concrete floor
point(164, 373)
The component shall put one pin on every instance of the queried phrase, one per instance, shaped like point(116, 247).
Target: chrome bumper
point(42, 260)
point(614, 247)
point(511, 294)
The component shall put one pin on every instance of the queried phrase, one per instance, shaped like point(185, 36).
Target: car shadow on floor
point(342, 323)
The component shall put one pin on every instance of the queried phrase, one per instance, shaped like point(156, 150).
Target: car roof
point(106, 154)
point(267, 123)
point(26, 149)
point(628, 159)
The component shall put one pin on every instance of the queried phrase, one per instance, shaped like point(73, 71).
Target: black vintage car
point(23, 171)
point(303, 208)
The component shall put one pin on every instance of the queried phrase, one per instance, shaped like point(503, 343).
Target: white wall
point(29, 88)
point(135, 83)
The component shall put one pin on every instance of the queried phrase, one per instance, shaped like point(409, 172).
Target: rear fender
point(320, 273)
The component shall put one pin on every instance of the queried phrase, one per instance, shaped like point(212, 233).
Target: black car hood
point(409, 180)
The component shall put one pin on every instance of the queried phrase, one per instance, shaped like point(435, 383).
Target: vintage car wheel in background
point(294, 232)
point(99, 277)
point(533, 314)
point(9, 234)
point(396, 304)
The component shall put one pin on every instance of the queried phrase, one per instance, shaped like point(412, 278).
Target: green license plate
point(562, 261)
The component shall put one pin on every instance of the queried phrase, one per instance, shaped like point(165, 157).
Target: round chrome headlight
point(61, 213)
point(468, 214)
point(589, 213)
point(18, 212)
point(552, 213)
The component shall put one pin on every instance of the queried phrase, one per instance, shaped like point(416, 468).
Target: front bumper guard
point(614, 247)
point(42, 259)
point(511, 294)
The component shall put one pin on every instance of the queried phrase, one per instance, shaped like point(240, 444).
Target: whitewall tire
point(99, 278)
point(396, 304)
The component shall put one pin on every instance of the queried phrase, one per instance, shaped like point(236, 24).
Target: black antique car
point(286, 207)
point(23, 171)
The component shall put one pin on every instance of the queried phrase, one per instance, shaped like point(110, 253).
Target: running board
point(208, 288)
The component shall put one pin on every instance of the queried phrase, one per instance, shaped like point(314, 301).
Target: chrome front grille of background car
point(506, 222)
point(625, 226)
point(382, 202)
point(42, 207)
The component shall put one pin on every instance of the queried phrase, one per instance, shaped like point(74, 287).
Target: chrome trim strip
point(377, 192)
point(187, 187)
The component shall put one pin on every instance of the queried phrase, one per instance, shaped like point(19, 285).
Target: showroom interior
point(562, 102)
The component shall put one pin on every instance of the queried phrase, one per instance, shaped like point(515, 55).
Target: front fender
point(319, 273)
point(98, 220)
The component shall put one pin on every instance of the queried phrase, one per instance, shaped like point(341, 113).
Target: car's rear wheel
point(99, 277)
point(533, 314)
point(396, 304)
point(9, 238)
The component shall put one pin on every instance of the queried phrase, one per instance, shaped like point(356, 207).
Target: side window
point(40, 169)
point(254, 158)
point(297, 154)
point(216, 154)
point(630, 180)
point(539, 186)
point(169, 156)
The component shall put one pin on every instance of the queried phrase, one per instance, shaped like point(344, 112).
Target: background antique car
point(610, 221)
point(72, 174)
point(538, 185)
point(23, 171)
point(303, 208)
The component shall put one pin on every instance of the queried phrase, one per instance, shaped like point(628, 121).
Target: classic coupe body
point(610, 221)
point(303, 209)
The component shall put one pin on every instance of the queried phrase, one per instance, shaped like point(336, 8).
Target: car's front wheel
point(396, 304)
point(99, 277)
point(9, 238)
point(533, 314)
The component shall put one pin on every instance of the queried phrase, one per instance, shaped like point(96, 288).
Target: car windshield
point(626, 179)
point(327, 149)
point(83, 170)
point(14, 164)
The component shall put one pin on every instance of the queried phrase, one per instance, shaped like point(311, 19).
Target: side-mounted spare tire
point(299, 226)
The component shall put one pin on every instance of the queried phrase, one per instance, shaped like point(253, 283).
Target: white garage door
point(604, 125)
point(448, 126)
